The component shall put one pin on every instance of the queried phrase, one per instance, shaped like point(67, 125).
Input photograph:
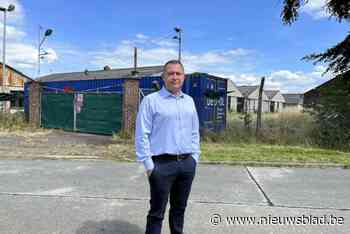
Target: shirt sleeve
point(142, 134)
point(195, 135)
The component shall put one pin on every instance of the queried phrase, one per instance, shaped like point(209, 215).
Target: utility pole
point(134, 72)
point(179, 38)
point(4, 83)
point(39, 39)
point(4, 52)
point(42, 54)
point(5, 10)
point(135, 58)
point(258, 119)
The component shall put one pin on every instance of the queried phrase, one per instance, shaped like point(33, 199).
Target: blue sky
point(240, 40)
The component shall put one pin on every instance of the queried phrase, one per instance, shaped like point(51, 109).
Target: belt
point(177, 157)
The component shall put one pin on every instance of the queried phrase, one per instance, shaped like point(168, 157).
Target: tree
point(332, 113)
point(338, 56)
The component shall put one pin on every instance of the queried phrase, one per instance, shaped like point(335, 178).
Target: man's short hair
point(173, 62)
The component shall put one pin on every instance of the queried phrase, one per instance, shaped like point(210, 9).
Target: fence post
point(74, 112)
point(258, 119)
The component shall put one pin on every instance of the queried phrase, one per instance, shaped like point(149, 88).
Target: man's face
point(174, 77)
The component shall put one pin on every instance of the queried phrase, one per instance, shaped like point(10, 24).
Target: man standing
point(167, 142)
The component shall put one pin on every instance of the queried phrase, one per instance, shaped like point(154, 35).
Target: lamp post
point(178, 37)
point(41, 54)
point(5, 10)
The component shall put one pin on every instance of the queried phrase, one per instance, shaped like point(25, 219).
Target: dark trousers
point(174, 178)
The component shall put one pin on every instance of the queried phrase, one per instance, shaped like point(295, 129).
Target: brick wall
point(34, 103)
point(130, 105)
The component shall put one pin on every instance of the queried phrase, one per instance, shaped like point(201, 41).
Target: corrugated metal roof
point(293, 98)
point(104, 74)
point(271, 93)
point(246, 90)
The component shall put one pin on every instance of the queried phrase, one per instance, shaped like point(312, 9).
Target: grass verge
point(223, 152)
point(272, 153)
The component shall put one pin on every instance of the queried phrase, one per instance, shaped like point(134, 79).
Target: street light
point(178, 37)
point(8, 9)
point(41, 54)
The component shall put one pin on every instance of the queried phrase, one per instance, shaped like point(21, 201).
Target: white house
point(251, 96)
point(276, 100)
point(294, 102)
point(234, 96)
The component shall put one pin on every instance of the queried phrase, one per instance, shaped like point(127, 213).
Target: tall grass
point(288, 128)
point(13, 122)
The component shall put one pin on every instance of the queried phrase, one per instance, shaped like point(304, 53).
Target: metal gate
point(99, 113)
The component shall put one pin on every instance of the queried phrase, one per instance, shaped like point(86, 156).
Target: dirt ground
point(60, 144)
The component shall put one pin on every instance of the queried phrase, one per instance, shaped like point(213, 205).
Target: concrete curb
point(231, 163)
point(277, 164)
point(52, 157)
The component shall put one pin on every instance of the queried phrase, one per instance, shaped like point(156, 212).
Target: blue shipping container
point(208, 93)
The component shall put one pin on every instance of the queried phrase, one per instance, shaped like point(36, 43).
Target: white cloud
point(164, 42)
point(284, 80)
point(241, 79)
point(144, 40)
point(123, 56)
point(239, 52)
point(69, 51)
point(51, 56)
point(212, 58)
point(141, 36)
point(21, 55)
point(289, 75)
point(155, 51)
point(290, 81)
point(127, 42)
point(157, 56)
point(151, 53)
point(12, 33)
point(316, 9)
point(24, 65)
point(201, 61)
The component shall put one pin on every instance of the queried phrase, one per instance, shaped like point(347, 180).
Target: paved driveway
point(73, 196)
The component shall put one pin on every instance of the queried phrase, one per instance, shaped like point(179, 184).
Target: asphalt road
point(72, 196)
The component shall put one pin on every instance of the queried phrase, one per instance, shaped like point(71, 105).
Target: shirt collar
point(164, 92)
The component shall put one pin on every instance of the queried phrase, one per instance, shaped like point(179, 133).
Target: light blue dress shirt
point(166, 124)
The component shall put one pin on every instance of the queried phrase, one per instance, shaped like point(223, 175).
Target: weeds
point(289, 128)
point(13, 122)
